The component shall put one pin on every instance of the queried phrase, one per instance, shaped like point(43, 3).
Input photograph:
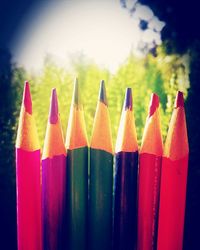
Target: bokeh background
point(149, 45)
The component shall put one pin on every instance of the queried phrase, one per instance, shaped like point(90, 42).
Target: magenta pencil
point(28, 178)
point(53, 180)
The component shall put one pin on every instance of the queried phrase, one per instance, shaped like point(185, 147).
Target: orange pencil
point(150, 160)
point(28, 178)
point(174, 181)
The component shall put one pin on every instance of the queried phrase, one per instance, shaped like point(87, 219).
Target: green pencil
point(101, 178)
point(77, 176)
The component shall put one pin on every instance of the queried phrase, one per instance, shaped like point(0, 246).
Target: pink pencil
point(28, 178)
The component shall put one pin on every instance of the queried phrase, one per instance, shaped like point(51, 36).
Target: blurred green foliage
point(162, 74)
point(10, 101)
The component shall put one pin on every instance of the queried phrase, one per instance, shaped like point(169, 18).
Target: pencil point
point(53, 112)
point(76, 95)
point(179, 101)
point(128, 102)
point(154, 104)
point(102, 93)
point(27, 98)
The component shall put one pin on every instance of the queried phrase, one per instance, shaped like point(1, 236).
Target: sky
point(103, 31)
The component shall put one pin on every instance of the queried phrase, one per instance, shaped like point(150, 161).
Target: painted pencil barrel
point(77, 198)
point(148, 200)
point(28, 199)
point(172, 205)
point(100, 200)
point(53, 201)
point(125, 201)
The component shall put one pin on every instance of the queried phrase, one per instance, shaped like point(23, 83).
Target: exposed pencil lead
point(102, 93)
point(76, 95)
point(128, 101)
point(53, 112)
point(154, 104)
point(179, 101)
point(27, 98)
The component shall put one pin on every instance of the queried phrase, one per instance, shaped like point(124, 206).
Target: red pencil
point(173, 181)
point(28, 178)
point(53, 180)
point(150, 161)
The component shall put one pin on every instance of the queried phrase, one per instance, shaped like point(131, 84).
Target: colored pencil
point(173, 181)
point(53, 180)
point(150, 161)
point(77, 175)
point(28, 178)
point(125, 185)
point(101, 178)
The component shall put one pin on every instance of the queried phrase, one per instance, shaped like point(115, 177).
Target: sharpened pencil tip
point(102, 93)
point(27, 98)
point(76, 95)
point(179, 101)
point(53, 112)
point(128, 101)
point(154, 104)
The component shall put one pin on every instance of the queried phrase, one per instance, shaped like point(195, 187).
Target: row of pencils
point(79, 197)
